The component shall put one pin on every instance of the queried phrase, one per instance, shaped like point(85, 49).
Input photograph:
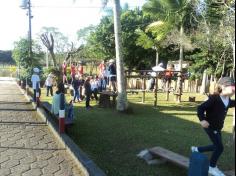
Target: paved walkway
point(27, 146)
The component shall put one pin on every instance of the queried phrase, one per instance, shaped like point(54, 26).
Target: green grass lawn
point(113, 140)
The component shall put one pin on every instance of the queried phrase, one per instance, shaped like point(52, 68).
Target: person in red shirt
point(102, 69)
point(64, 72)
point(80, 69)
point(64, 67)
point(72, 70)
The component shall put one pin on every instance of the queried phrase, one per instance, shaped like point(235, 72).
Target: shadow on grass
point(113, 139)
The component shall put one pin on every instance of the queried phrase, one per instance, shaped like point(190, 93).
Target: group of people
point(166, 75)
point(107, 72)
point(84, 88)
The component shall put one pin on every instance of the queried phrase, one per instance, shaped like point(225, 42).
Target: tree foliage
point(21, 56)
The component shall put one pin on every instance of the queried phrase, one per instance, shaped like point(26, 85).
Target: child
point(76, 87)
point(57, 100)
point(35, 82)
point(88, 92)
point(49, 84)
point(212, 114)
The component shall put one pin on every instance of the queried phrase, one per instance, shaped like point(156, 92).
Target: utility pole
point(26, 4)
point(30, 30)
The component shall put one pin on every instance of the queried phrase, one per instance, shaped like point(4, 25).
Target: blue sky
point(67, 16)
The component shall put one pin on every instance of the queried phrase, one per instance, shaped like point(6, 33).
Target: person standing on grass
point(112, 70)
point(88, 92)
point(212, 114)
point(49, 84)
point(72, 71)
point(64, 71)
point(35, 80)
point(80, 69)
point(76, 87)
point(94, 87)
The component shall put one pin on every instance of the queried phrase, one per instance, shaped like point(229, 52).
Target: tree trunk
point(53, 58)
point(181, 58)
point(223, 71)
point(47, 61)
point(122, 103)
point(204, 83)
point(157, 57)
point(181, 55)
point(233, 72)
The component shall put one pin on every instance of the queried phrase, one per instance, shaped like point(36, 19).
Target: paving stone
point(5, 172)
point(26, 149)
point(19, 169)
point(39, 164)
point(33, 172)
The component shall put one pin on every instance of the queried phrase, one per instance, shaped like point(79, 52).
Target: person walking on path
point(212, 114)
point(35, 80)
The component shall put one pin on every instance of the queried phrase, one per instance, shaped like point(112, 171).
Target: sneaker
point(220, 172)
point(214, 171)
point(194, 149)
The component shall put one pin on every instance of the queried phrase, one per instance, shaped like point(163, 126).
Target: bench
point(170, 156)
point(105, 99)
point(177, 96)
point(47, 106)
point(176, 159)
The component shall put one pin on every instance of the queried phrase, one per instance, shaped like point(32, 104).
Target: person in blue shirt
point(212, 114)
point(76, 86)
point(58, 98)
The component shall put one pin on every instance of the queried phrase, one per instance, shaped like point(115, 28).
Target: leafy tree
point(21, 56)
point(215, 35)
point(172, 13)
point(100, 43)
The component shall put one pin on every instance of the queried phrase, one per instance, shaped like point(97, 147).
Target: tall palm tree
point(122, 103)
point(175, 13)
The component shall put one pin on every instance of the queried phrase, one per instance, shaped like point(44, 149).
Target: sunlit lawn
point(113, 140)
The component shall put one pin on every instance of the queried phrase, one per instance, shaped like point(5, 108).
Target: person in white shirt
point(94, 87)
point(49, 84)
point(35, 83)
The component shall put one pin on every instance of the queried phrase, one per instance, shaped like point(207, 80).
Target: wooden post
point(37, 94)
point(168, 91)
point(143, 90)
point(156, 88)
point(180, 88)
point(62, 114)
point(168, 95)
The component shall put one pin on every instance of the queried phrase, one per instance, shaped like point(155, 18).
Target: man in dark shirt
point(112, 70)
point(212, 114)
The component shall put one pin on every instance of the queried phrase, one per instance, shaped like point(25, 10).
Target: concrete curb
point(80, 158)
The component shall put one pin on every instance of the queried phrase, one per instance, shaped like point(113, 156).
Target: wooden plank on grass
point(170, 156)
point(177, 159)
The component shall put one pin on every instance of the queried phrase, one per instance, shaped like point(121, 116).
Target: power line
point(76, 7)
